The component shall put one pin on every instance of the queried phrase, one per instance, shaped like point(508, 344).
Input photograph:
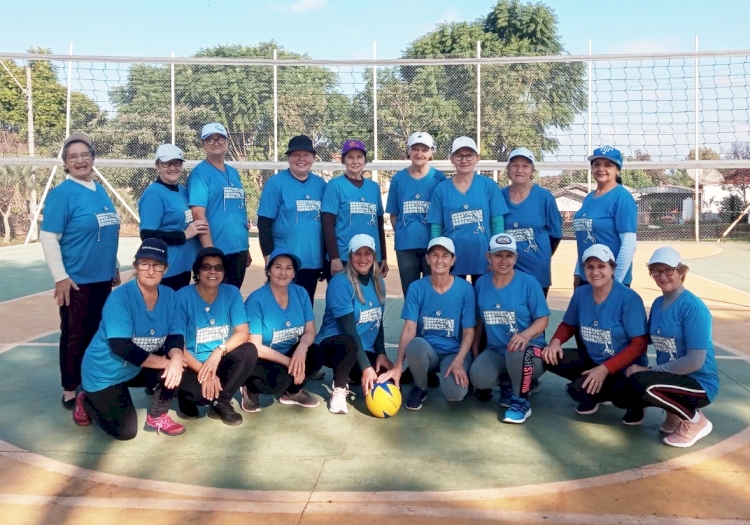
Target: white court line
point(9, 346)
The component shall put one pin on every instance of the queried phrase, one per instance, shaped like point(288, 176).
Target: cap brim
point(290, 151)
point(592, 158)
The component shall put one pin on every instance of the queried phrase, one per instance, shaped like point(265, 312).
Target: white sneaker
point(337, 404)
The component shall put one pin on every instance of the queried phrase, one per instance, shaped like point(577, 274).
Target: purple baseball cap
point(352, 144)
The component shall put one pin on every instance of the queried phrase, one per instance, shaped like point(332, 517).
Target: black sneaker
point(224, 411)
point(483, 394)
point(586, 409)
point(416, 398)
point(187, 409)
point(148, 391)
point(634, 416)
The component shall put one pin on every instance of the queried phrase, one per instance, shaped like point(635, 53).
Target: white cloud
point(303, 6)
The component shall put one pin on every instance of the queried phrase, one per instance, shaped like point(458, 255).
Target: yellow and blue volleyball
point(383, 400)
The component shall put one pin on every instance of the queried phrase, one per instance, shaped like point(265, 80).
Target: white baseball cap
point(361, 240)
point(666, 255)
point(213, 128)
point(421, 137)
point(445, 242)
point(503, 242)
point(167, 152)
point(601, 252)
point(522, 152)
point(464, 142)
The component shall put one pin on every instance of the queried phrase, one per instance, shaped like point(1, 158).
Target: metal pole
point(44, 197)
point(32, 150)
point(114, 192)
point(67, 108)
point(275, 110)
point(375, 108)
point(699, 171)
point(171, 81)
point(589, 145)
point(479, 97)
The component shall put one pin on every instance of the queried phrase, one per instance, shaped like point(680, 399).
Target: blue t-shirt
point(356, 210)
point(601, 220)
point(295, 207)
point(606, 328)
point(441, 318)
point(223, 196)
point(125, 316)
point(685, 325)
point(280, 328)
point(341, 300)
point(533, 223)
point(90, 228)
point(165, 210)
point(511, 309)
point(209, 325)
point(409, 199)
point(466, 219)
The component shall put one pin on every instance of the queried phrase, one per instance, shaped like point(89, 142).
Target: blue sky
point(345, 29)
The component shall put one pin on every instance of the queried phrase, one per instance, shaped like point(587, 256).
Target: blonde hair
point(375, 275)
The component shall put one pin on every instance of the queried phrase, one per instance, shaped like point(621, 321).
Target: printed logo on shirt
point(308, 205)
point(418, 207)
point(599, 336)
point(462, 218)
point(525, 235)
point(149, 344)
point(108, 219)
point(232, 193)
point(585, 225)
point(212, 333)
point(188, 216)
point(364, 208)
point(665, 345)
point(287, 334)
point(446, 326)
point(501, 317)
point(371, 315)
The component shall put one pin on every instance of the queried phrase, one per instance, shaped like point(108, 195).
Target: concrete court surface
point(444, 464)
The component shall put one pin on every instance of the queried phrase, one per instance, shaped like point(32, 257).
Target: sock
point(696, 417)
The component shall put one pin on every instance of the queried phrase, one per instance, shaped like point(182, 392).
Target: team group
point(474, 263)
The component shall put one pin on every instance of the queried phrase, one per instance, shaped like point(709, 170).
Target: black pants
point(233, 371)
point(680, 395)
point(78, 324)
point(273, 378)
point(355, 376)
point(112, 408)
point(340, 354)
point(546, 291)
point(235, 274)
point(177, 282)
point(412, 266)
point(573, 363)
point(308, 279)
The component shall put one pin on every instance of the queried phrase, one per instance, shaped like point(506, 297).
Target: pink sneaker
point(688, 432)
point(670, 424)
point(163, 424)
point(80, 416)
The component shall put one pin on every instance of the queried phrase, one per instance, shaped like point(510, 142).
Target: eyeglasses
point(215, 140)
point(158, 267)
point(215, 267)
point(466, 156)
point(171, 164)
point(669, 272)
point(76, 157)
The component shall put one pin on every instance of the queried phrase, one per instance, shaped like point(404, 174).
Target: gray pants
point(424, 359)
point(491, 365)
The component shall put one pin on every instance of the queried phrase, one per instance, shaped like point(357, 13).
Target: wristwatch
point(223, 349)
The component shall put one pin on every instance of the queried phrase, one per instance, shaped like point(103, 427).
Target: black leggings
point(680, 395)
point(340, 354)
point(573, 363)
point(308, 279)
point(112, 408)
point(233, 371)
point(177, 282)
point(273, 378)
point(235, 273)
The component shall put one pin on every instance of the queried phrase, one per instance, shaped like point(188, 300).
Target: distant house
point(665, 204)
point(569, 200)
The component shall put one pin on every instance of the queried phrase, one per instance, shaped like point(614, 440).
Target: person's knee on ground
point(418, 355)
point(484, 373)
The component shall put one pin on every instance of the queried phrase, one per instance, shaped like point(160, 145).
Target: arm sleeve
point(348, 326)
point(175, 341)
point(125, 349)
point(169, 238)
point(497, 224)
point(381, 235)
point(564, 332)
point(265, 236)
point(329, 234)
point(379, 345)
point(691, 362)
point(53, 255)
point(628, 355)
point(498, 209)
point(197, 189)
point(436, 230)
point(625, 255)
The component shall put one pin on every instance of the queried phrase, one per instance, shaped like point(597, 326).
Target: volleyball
point(383, 400)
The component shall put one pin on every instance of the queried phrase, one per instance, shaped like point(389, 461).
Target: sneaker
point(519, 410)
point(300, 398)
point(68, 403)
point(483, 394)
point(337, 403)
point(223, 410)
point(317, 375)
point(416, 397)
point(80, 416)
point(634, 416)
point(250, 402)
point(506, 394)
point(688, 432)
point(671, 423)
point(536, 386)
point(148, 391)
point(586, 409)
point(164, 424)
point(186, 409)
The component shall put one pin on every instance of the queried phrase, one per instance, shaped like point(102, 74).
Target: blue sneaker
point(506, 394)
point(518, 412)
point(416, 398)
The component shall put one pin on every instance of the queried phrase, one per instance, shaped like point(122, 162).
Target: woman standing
point(408, 201)
point(608, 216)
point(289, 213)
point(468, 209)
point(514, 314)
point(216, 195)
point(282, 328)
point(533, 218)
point(351, 206)
point(612, 323)
point(685, 378)
point(351, 334)
point(79, 236)
point(166, 215)
point(139, 343)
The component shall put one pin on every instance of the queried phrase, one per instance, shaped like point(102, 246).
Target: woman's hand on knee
point(552, 353)
point(595, 378)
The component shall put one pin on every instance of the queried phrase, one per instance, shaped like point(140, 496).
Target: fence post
point(699, 171)
point(32, 152)
point(479, 97)
point(375, 107)
point(275, 110)
point(67, 104)
point(171, 82)
point(589, 145)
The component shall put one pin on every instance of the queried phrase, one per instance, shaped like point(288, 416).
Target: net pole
point(375, 108)
point(119, 198)
point(32, 150)
point(67, 105)
point(698, 172)
point(589, 145)
point(479, 97)
point(171, 82)
point(275, 110)
point(44, 197)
